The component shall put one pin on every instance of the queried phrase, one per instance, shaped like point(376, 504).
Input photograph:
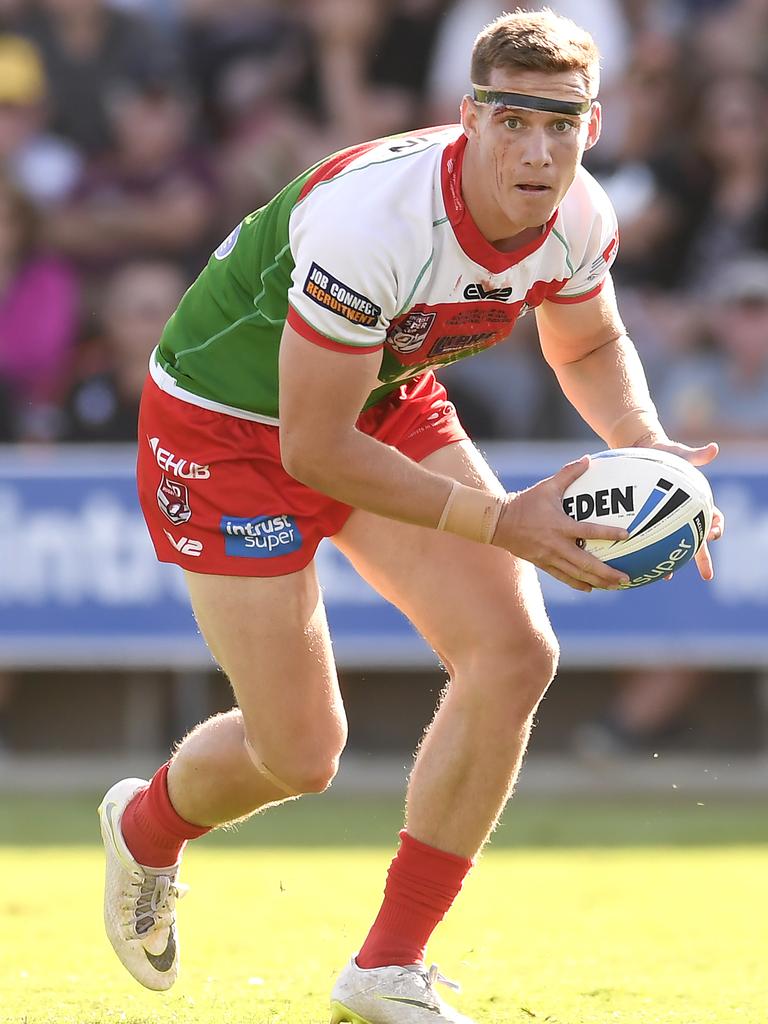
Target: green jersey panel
point(222, 343)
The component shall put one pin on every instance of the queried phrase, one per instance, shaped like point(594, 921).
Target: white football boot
point(391, 995)
point(139, 902)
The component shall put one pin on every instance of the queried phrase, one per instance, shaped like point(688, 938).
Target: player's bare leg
point(482, 610)
point(270, 637)
point(284, 739)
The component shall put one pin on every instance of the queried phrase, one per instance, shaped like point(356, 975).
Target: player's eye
point(562, 127)
point(512, 122)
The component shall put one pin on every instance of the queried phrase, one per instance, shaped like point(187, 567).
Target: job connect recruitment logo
point(260, 536)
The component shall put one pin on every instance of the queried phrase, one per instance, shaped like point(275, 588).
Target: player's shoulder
point(586, 201)
point(376, 180)
point(375, 201)
point(587, 221)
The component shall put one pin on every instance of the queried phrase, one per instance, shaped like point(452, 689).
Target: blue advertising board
point(80, 585)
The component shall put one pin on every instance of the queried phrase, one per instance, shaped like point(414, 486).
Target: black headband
point(519, 99)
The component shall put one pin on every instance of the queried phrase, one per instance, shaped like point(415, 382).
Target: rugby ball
point(663, 501)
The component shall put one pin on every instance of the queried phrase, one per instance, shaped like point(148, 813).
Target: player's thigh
point(270, 636)
point(470, 601)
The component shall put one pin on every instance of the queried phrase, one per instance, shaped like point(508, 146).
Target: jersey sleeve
point(593, 241)
point(343, 290)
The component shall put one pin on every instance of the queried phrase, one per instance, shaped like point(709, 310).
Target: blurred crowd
point(135, 133)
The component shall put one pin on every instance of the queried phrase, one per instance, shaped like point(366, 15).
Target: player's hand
point(533, 526)
point(699, 457)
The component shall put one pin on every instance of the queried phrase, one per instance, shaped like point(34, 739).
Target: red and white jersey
point(388, 257)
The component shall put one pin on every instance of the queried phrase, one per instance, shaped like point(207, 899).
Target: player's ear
point(595, 125)
point(469, 116)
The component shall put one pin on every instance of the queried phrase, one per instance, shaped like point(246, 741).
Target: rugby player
point(292, 397)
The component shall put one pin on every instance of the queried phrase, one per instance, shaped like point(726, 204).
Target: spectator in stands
point(43, 165)
point(400, 58)
point(343, 36)
point(724, 388)
point(137, 301)
point(250, 63)
point(87, 47)
point(731, 38)
point(241, 54)
point(281, 87)
point(645, 129)
point(372, 68)
point(39, 315)
point(152, 196)
point(718, 182)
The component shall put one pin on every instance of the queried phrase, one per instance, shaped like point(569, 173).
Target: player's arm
point(321, 394)
point(600, 373)
point(599, 369)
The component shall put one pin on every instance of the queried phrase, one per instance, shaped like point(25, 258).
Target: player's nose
point(536, 151)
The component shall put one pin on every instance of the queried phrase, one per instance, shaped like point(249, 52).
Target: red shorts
point(217, 499)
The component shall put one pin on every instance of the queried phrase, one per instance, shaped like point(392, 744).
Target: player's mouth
point(532, 187)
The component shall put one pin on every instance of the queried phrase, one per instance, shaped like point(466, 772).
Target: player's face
point(524, 161)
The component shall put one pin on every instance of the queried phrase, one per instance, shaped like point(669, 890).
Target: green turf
point(361, 821)
point(636, 929)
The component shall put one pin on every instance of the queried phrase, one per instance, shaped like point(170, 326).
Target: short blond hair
point(536, 41)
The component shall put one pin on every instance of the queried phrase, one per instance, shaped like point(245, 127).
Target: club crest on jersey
point(411, 333)
point(330, 293)
point(173, 501)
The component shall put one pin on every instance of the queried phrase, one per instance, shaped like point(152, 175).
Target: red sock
point(422, 883)
point(153, 831)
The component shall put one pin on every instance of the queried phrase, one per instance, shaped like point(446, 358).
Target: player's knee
point(517, 670)
point(301, 772)
point(303, 767)
point(532, 667)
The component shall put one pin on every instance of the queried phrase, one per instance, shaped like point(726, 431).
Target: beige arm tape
point(268, 775)
point(635, 427)
point(471, 513)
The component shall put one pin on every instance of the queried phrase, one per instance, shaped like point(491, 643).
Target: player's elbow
point(305, 461)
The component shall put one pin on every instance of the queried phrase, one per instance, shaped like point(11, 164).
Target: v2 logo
point(477, 291)
point(185, 546)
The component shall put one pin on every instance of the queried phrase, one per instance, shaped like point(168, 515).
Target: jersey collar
point(468, 235)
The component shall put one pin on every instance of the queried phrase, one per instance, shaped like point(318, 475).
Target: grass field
point(580, 913)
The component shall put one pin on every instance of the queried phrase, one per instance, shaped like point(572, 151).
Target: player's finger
point(569, 580)
point(704, 563)
point(696, 456)
point(591, 570)
point(596, 531)
point(570, 473)
point(701, 456)
point(718, 525)
point(596, 579)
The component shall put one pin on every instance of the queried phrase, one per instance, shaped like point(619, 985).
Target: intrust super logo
point(260, 536)
point(324, 289)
